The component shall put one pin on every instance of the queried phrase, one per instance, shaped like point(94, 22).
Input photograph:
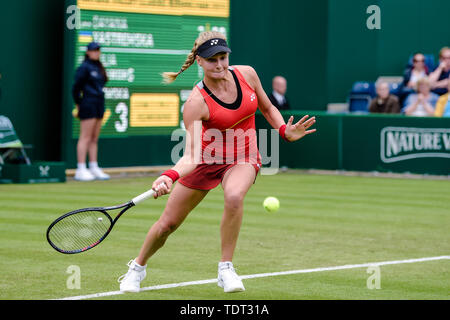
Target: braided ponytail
point(169, 77)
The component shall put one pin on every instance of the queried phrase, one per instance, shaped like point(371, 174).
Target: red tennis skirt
point(208, 176)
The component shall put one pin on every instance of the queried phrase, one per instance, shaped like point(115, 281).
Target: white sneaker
point(83, 175)
point(131, 281)
point(99, 174)
point(228, 279)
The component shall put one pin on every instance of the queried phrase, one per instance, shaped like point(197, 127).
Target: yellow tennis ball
point(271, 204)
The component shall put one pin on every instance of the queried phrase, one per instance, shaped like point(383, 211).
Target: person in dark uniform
point(88, 95)
point(277, 97)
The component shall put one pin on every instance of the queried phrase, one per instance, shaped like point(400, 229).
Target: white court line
point(259, 275)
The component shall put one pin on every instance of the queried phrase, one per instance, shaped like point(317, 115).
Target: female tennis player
point(225, 101)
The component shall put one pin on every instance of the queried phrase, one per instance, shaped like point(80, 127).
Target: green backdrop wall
point(357, 53)
point(287, 38)
point(31, 58)
point(323, 46)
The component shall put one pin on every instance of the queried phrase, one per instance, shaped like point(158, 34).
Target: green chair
point(11, 148)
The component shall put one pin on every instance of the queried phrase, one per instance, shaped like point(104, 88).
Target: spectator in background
point(277, 97)
point(417, 71)
point(422, 103)
point(412, 73)
point(87, 92)
point(443, 104)
point(439, 78)
point(384, 102)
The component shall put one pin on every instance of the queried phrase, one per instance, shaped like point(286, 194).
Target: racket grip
point(144, 196)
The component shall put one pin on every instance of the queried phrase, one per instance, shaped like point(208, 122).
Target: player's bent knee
point(234, 200)
point(166, 227)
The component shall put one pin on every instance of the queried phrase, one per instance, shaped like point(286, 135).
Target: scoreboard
point(141, 39)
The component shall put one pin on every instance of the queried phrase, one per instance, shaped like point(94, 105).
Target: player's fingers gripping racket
point(83, 229)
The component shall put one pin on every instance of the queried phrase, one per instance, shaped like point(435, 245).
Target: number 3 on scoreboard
point(122, 111)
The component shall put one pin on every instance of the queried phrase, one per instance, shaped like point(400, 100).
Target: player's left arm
point(293, 132)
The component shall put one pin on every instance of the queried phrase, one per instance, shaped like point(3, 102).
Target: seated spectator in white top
point(422, 103)
point(417, 71)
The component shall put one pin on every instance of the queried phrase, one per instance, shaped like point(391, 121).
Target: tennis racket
point(83, 229)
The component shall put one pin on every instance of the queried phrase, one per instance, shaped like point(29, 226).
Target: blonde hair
point(169, 77)
point(441, 52)
point(423, 80)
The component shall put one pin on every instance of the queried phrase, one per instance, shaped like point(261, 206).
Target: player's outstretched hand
point(300, 129)
point(162, 186)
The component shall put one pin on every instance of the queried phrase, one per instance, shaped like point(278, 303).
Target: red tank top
point(229, 136)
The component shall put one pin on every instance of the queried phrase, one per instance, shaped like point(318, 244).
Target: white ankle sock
point(139, 266)
point(93, 165)
point(225, 264)
point(81, 166)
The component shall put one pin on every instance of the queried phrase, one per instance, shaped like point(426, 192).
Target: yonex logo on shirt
point(252, 97)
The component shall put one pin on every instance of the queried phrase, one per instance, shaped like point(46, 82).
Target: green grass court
point(324, 221)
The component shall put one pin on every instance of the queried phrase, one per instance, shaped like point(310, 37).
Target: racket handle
point(144, 196)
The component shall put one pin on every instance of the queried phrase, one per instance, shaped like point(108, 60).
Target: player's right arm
point(195, 111)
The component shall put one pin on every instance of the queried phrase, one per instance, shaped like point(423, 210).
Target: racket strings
point(79, 231)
